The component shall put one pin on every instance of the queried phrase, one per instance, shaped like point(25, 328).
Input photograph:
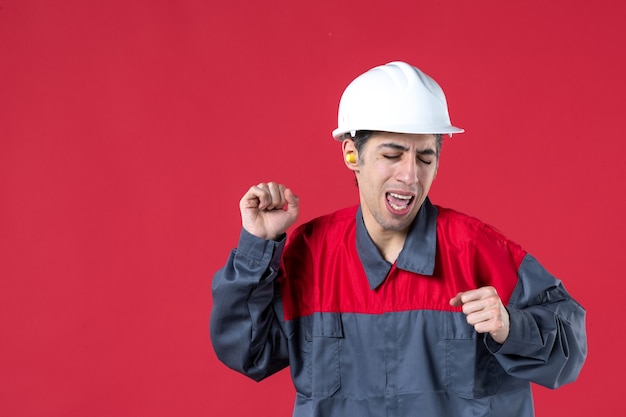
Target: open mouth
point(399, 202)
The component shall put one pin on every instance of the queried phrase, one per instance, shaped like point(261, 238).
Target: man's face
point(394, 173)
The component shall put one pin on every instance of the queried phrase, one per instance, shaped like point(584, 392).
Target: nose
point(407, 171)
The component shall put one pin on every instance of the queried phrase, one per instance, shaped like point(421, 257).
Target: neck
point(388, 242)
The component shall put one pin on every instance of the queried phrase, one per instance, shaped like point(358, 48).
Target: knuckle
point(493, 300)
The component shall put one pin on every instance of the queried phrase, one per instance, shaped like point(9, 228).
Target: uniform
point(363, 337)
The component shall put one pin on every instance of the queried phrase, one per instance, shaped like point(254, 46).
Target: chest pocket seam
point(327, 332)
point(470, 370)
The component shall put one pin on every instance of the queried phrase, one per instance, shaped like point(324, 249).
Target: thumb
point(292, 201)
point(456, 300)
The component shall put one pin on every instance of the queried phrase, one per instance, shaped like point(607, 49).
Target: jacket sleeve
point(245, 322)
point(547, 341)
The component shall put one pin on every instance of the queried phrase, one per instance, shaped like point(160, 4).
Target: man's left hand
point(485, 311)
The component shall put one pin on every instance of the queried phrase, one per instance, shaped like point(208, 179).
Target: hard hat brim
point(431, 130)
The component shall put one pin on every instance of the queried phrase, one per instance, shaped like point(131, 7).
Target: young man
point(395, 307)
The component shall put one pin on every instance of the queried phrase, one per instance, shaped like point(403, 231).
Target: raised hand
point(268, 209)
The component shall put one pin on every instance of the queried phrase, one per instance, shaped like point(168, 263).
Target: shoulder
point(451, 217)
point(336, 220)
point(464, 226)
point(339, 220)
point(322, 234)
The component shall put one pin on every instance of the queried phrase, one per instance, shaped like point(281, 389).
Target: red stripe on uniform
point(322, 272)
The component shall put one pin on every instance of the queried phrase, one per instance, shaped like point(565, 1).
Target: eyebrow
point(398, 147)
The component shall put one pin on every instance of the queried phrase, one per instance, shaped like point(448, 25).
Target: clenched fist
point(484, 310)
point(268, 209)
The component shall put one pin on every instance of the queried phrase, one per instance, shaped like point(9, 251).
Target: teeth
point(406, 200)
point(402, 197)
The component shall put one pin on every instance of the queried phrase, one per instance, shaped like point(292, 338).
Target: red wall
point(130, 129)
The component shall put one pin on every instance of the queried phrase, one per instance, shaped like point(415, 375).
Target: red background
point(130, 129)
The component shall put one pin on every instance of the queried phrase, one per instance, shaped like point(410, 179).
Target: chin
point(396, 225)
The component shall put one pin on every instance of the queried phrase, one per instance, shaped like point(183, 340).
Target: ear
point(350, 154)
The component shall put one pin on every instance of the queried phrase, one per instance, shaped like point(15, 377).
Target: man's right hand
point(268, 209)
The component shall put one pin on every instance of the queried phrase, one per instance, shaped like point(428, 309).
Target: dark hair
point(362, 136)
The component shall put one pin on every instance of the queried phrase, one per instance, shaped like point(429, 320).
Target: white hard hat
point(395, 97)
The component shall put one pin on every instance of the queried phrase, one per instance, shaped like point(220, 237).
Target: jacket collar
point(417, 255)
